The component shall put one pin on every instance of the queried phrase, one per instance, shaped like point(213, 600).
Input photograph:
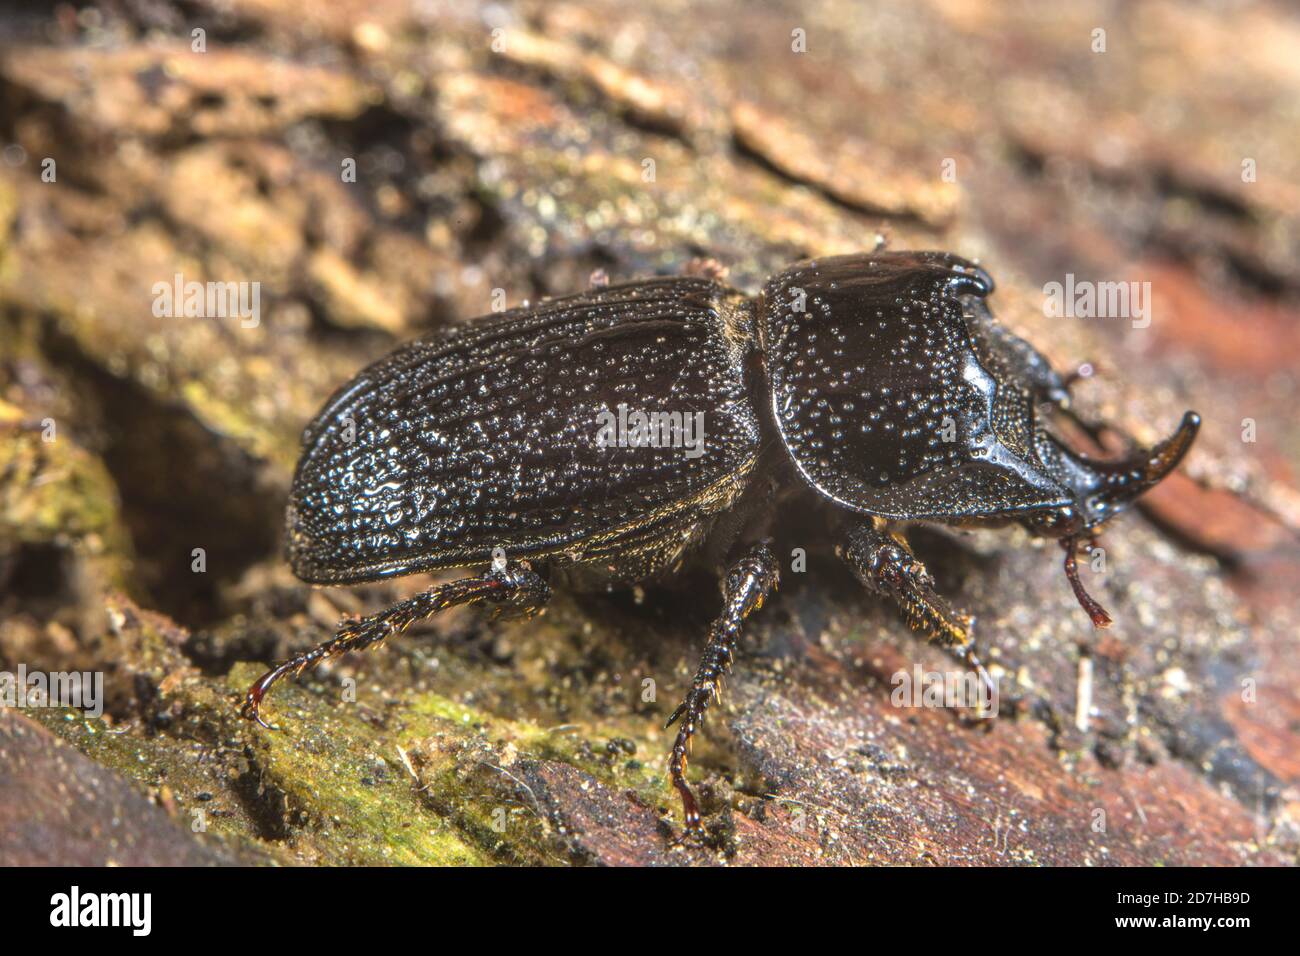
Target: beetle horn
point(1110, 486)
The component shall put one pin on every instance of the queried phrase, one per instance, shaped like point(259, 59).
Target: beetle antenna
point(1096, 612)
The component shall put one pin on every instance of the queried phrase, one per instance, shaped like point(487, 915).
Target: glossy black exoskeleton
point(880, 384)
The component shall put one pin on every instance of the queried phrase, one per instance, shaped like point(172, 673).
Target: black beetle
point(878, 382)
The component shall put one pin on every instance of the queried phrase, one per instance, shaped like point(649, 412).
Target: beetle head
point(1102, 489)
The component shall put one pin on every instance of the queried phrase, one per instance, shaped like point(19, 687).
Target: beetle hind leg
point(884, 562)
point(515, 589)
point(746, 586)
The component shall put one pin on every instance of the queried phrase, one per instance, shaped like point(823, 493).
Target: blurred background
point(380, 170)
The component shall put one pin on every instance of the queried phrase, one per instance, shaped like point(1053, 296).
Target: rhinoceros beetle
point(878, 383)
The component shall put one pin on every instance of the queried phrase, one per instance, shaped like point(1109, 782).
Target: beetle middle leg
point(746, 586)
point(884, 562)
point(515, 589)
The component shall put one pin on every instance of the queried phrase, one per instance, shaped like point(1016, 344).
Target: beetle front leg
point(883, 561)
point(746, 586)
point(516, 588)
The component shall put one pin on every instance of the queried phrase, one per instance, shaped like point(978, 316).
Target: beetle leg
point(515, 588)
point(883, 561)
point(746, 586)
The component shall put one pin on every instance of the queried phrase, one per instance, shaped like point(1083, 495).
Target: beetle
point(878, 383)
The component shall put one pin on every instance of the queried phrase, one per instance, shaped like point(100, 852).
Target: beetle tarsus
point(514, 588)
point(747, 585)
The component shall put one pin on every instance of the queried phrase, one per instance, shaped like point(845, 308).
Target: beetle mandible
point(878, 383)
